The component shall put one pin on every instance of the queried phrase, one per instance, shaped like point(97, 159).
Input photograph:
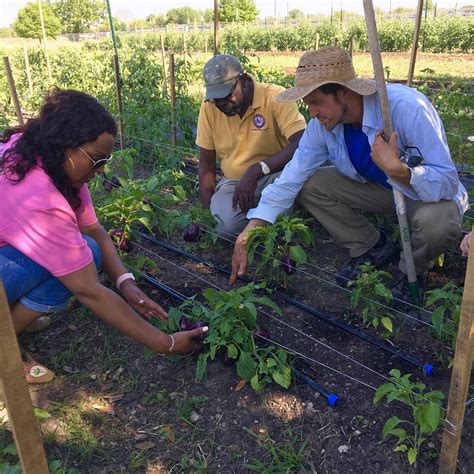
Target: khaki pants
point(232, 222)
point(339, 204)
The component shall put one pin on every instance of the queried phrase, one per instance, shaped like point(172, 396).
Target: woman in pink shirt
point(51, 243)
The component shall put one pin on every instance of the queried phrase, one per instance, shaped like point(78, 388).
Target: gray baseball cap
point(220, 74)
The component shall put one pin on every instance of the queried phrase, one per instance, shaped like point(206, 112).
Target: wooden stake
point(163, 62)
point(118, 89)
point(216, 26)
point(43, 32)
point(460, 377)
point(173, 100)
point(17, 397)
point(387, 123)
point(414, 47)
point(11, 84)
point(316, 43)
point(27, 68)
point(351, 45)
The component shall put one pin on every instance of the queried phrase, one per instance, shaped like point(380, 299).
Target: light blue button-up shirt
point(417, 123)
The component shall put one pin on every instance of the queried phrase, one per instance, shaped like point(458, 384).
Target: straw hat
point(324, 66)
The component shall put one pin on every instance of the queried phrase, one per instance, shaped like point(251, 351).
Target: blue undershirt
point(358, 149)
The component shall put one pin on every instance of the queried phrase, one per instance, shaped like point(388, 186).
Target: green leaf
point(146, 222)
point(428, 417)
point(41, 414)
point(11, 449)
point(386, 323)
point(298, 254)
point(390, 424)
point(246, 366)
point(232, 351)
point(401, 448)
point(201, 366)
point(412, 454)
point(283, 377)
point(255, 383)
point(152, 183)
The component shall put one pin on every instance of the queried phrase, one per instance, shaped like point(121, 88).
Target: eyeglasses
point(412, 160)
point(96, 164)
point(229, 95)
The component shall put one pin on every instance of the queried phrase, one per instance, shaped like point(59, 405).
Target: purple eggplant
point(198, 324)
point(126, 245)
point(115, 182)
point(185, 324)
point(289, 266)
point(227, 360)
point(191, 234)
point(108, 186)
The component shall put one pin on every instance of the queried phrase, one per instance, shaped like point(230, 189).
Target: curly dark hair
point(67, 119)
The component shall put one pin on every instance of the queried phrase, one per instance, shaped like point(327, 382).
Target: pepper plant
point(369, 290)
point(232, 320)
point(198, 224)
point(426, 408)
point(446, 315)
point(279, 248)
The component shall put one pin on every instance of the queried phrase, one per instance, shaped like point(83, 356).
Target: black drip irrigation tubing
point(428, 369)
point(331, 398)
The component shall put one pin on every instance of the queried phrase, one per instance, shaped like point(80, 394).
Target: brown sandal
point(34, 371)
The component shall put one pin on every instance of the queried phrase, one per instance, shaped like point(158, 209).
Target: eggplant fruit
point(289, 266)
point(191, 234)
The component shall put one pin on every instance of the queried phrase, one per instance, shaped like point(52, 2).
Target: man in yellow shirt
point(252, 135)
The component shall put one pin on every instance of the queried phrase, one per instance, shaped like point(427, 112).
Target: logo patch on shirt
point(259, 120)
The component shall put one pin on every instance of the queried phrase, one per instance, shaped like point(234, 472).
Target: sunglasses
point(96, 164)
point(229, 95)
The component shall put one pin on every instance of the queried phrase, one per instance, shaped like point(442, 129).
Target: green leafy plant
point(368, 290)
point(426, 413)
point(288, 456)
point(202, 218)
point(232, 320)
point(447, 312)
point(279, 247)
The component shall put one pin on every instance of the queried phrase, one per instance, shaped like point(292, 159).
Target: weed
point(288, 456)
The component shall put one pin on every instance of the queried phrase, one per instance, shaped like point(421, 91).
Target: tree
point(28, 25)
point(138, 24)
point(77, 16)
point(296, 14)
point(156, 21)
point(182, 15)
point(237, 10)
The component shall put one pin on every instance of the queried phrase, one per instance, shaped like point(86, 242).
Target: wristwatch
point(265, 168)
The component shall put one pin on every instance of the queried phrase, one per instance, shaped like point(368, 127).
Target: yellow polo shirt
point(263, 130)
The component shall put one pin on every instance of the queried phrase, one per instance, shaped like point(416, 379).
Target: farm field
point(113, 407)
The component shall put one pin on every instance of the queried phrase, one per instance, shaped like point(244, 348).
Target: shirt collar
point(372, 117)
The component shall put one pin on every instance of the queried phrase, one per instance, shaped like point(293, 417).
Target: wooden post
point(163, 63)
point(351, 45)
point(399, 199)
point(43, 33)
point(334, 41)
point(173, 100)
point(118, 89)
point(316, 43)
point(216, 26)
point(11, 84)
point(460, 376)
point(17, 397)
point(27, 68)
point(414, 46)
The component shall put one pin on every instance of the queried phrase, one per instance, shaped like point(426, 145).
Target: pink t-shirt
point(37, 220)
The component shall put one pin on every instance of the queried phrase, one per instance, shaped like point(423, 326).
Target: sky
point(143, 8)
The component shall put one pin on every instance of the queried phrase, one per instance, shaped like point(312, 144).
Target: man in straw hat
point(345, 128)
point(251, 134)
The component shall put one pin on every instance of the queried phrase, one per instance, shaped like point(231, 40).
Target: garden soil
point(114, 409)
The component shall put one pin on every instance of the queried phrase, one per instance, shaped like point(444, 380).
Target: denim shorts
point(31, 284)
